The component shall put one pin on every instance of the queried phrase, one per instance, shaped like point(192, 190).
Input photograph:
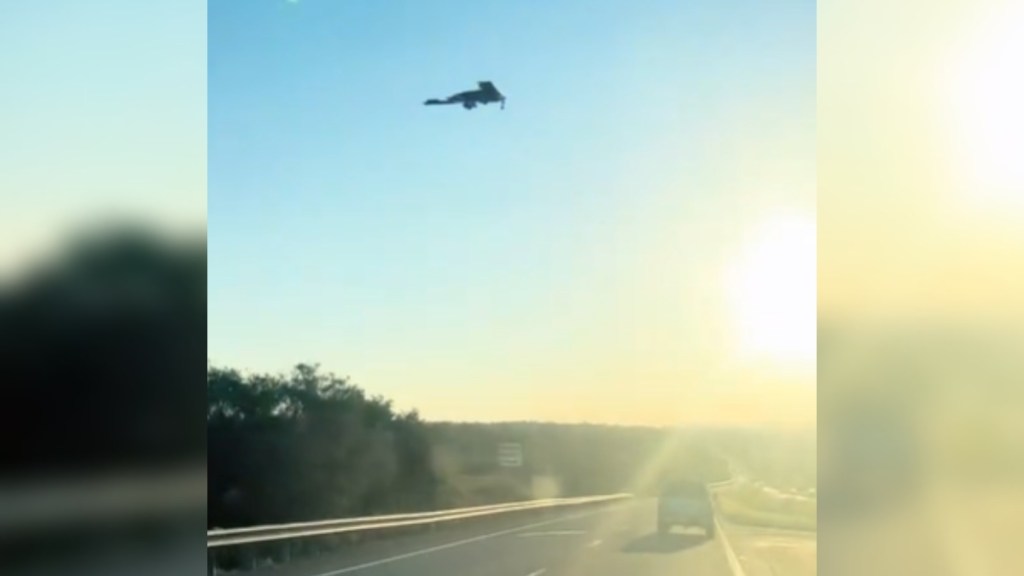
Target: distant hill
point(580, 458)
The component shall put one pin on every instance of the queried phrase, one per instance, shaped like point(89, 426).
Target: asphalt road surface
point(776, 552)
point(613, 540)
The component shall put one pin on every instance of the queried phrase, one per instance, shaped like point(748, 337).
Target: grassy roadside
point(754, 506)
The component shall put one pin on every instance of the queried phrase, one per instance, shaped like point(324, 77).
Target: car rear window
point(684, 490)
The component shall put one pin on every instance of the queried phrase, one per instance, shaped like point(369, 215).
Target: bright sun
point(772, 289)
point(986, 86)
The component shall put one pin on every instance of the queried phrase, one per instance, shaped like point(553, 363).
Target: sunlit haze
point(930, 221)
point(921, 244)
point(772, 288)
point(984, 90)
point(630, 241)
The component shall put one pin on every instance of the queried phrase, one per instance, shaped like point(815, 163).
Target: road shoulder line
point(482, 537)
point(730, 554)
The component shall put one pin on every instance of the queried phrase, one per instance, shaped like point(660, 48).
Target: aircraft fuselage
point(469, 99)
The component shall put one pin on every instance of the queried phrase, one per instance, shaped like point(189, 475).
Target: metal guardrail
point(239, 536)
point(42, 504)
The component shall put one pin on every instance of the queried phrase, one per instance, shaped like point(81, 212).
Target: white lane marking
point(538, 572)
point(730, 554)
point(594, 544)
point(462, 543)
point(553, 533)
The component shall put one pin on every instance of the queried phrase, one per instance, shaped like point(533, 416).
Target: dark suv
point(686, 504)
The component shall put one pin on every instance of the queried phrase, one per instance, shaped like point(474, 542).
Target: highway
point(609, 540)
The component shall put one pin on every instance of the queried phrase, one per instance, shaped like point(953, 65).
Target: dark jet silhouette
point(469, 99)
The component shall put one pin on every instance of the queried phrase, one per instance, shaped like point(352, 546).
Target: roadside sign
point(510, 455)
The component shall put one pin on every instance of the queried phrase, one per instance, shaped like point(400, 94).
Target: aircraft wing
point(489, 89)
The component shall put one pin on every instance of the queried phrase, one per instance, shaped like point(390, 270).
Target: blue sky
point(568, 243)
point(102, 114)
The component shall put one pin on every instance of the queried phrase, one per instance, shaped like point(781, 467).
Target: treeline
point(102, 348)
point(102, 352)
point(310, 445)
point(579, 459)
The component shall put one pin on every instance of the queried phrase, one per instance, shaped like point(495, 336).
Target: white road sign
point(510, 455)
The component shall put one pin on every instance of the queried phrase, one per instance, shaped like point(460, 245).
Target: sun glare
point(772, 288)
point(986, 86)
